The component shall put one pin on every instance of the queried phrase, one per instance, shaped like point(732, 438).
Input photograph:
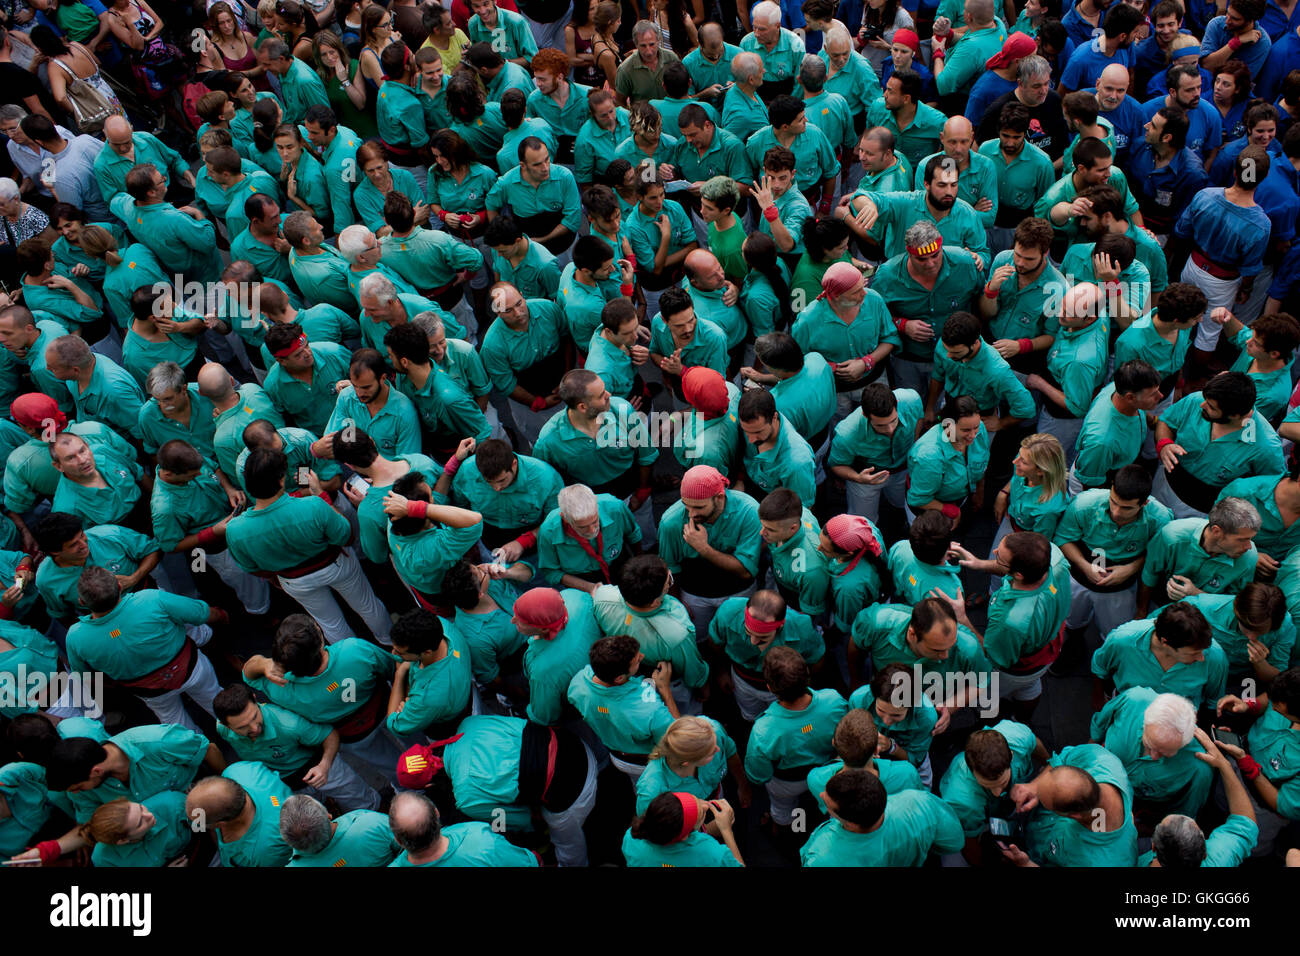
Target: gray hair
point(275, 49)
point(1178, 842)
point(641, 28)
point(745, 66)
point(1234, 515)
point(305, 824)
point(427, 322)
point(73, 350)
point(8, 189)
point(164, 378)
point(767, 11)
point(354, 242)
point(812, 73)
point(413, 818)
point(378, 286)
point(1173, 714)
point(921, 234)
point(1033, 67)
point(576, 502)
point(12, 112)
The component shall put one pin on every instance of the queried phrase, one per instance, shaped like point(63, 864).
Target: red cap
point(705, 390)
point(908, 38)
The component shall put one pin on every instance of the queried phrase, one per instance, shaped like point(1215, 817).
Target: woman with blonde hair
point(693, 756)
point(125, 269)
point(1035, 497)
point(154, 832)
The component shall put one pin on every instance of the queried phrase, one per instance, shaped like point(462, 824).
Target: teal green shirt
point(550, 665)
point(1219, 612)
point(107, 505)
point(1056, 840)
point(395, 429)
point(972, 803)
point(819, 329)
point(1030, 512)
point(1022, 180)
point(703, 782)
point(286, 743)
point(475, 844)
point(814, 154)
point(324, 277)
point(436, 693)
point(536, 277)
point(285, 534)
point(1274, 742)
point(920, 139)
point(1022, 312)
point(708, 346)
point(1023, 622)
point(309, 404)
point(958, 281)
point(914, 579)
point(31, 653)
point(558, 193)
point(142, 633)
point(522, 505)
point(916, 823)
point(469, 195)
point(665, 634)
point(1126, 658)
point(354, 671)
point(370, 201)
point(112, 397)
point(1178, 550)
point(913, 732)
point(802, 573)
point(1108, 441)
point(23, 787)
point(492, 637)
point(741, 114)
point(370, 513)
point(895, 776)
point(118, 549)
point(987, 378)
point(698, 849)
point(881, 630)
point(979, 180)
point(622, 442)
point(167, 839)
point(858, 445)
point(261, 844)
point(711, 441)
point(1274, 538)
point(790, 463)
point(736, 531)
point(1181, 783)
point(593, 150)
point(1087, 521)
point(559, 552)
point(228, 437)
point(807, 399)
point(429, 259)
point(424, 557)
point(181, 510)
point(628, 718)
point(939, 471)
point(785, 739)
point(361, 838)
point(507, 352)
point(727, 631)
point(724, 156)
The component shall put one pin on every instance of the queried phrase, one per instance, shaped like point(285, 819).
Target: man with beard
point(1015, 300)
point(1119, 109)
point(976, 175)
point(937, 202)
point(1023, 171)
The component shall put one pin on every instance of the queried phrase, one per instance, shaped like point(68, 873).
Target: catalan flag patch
point(806, 729)
point(275, 801)
point(115, 632)
point(339, 862)
point(332, 687)
point(602, 710)
point(416, 763)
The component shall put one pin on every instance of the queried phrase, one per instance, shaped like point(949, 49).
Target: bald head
point(1071, 792)
point(958, 126)
point(704, 270)
point(215, 800)
point(117, 128)
point(414, 821)
point(1080, 306)
point(215, 383)
point(1112, 86)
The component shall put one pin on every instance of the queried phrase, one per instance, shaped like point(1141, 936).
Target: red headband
point(294, 346)
point(926, 249)
point(690, 815)
point(762, 627)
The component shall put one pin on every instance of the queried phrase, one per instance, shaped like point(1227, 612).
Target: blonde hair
point(1046, 454)
point(98, 243)
point(645, 121)
point(687, 739)
point(108, 823)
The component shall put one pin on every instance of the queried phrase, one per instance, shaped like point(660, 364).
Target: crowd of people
point(663, 434)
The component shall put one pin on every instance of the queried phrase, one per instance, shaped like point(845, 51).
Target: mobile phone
point(303, 476)
point(358, 484)
point(1224, 736)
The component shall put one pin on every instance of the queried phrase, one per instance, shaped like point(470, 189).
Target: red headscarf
point(852, 533)
point(705, 390)
point(542, 608)
point(702, 482)
point(839, 279)
point(34, 409)
point(1017, 47)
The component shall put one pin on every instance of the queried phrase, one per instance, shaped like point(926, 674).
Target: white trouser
point(749, 698)
point(1218, 293)
point(702, 609)
point(347, 788)
point(1021, 686)
point(1107, 609)
point(566, 825)
point(1066, 431)
point(378, 750)
point(784, 796)
point(343, 575)
point(633, 770)
point(254, 593)
point(201, 687)
point(1165, 494)
point(865, 499)
point(1073, 484)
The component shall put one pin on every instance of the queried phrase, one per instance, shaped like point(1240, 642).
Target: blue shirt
point(1204, 125)
point(1089, 59)
point(1233, 236)
point(1127, 120)
point(1252, 54)
point(1282, 59)
point(1080, 30)
point(987, 88)
point(1162, 192)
